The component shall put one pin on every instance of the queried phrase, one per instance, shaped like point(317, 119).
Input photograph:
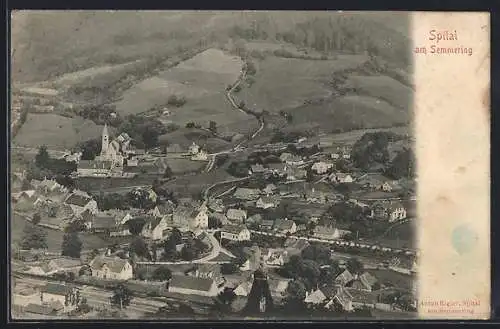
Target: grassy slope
point(56, 131)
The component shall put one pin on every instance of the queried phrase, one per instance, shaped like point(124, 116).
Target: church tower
point(105, 140)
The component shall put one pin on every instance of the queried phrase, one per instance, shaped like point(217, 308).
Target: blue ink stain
point(464, 239)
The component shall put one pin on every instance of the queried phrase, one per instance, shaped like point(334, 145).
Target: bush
point(177, 101)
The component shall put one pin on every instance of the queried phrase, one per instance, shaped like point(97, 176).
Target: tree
point(89, 148)
point(403, 165)
point(190, 125)
point(355, 266)
point(168, 172)
point(162, 273)
point(189, 251)
point(135, 225)
point(42, 158)
point(71, 245)
point(140, 247)
point(317, 252)
point(213, 127)
point(36, 219)
point(176, 236)
point(33, 237)
point(226, 297)
point(295, 295)
point(229, 268)
point(122, 296)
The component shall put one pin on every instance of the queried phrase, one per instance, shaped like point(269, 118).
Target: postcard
point(248, 165)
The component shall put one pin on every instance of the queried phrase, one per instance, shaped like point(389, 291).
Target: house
point(295, 246)
point(46, 309)
point(293, 173)
point(154, 227)
point(290, 159)
point(278, 169)
point(25, 296)
point(191, 285)
point(284, 226)
point(269, 189)
point(320, 296)
point(216, 219)
point(372, 181)
point(194, 149)
point(207, 271)
point(358, 203)
point(362, 299)
point(257, 169)
point(278, 287)
point(317, 196)
point(366, 282)
point(111, 268)
point(216, 205)
point(237, 215)
point(182, 216)
point(243, 289)
point(94, 168)
point(64, 294)
point(151, 195)
point(80, 201)
point(48, 186)
point(267, 225)
point(266, 202)
point(326, 232)
point(275, 257)
point(163, 209)
point(103, 223)
point(344, 278)
point(321, 167)
point(24, 196)
point(388, 210)
point(248, 194)
point(64, 264)
point(199, 218)
point(120, 230)
point(235, 233)
point(255, 219)
point(343, 300)
point(340, 178)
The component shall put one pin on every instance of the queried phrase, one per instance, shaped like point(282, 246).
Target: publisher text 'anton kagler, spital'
point(439, 36)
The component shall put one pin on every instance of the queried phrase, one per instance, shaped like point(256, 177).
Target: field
point(283, 83)
point(54, 237)
point(202, 80)
point(348, 112)
point(186, 136)
point(189, 186)
point(182, 166)
point(57, 132)
point(386, 88)
point(351, 137)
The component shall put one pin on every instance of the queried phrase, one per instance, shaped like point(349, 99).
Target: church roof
point(105, 130)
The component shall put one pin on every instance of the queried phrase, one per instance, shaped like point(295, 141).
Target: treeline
point(336, 34)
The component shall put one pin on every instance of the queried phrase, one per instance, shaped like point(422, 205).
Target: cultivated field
point(202, 80)
point(352, 136)
point(55, 131)
point(283, 83)
point(186, 136)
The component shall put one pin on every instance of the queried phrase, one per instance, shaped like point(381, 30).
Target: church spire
point(105, 139)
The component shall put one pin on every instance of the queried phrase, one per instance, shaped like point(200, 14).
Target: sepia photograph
point(213, 165)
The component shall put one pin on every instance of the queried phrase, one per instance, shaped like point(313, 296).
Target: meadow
point(55, 131)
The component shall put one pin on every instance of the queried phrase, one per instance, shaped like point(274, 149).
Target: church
point(112, 158)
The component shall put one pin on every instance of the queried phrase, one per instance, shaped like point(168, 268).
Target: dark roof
point(56, 289)
point(234, 229)
point(103, 222)
point(360, 296)
point(296, 243)
point(283, 224)
point(78, 200)
point(192, 283)
point(39, 309)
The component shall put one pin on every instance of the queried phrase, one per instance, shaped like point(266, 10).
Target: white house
point(266, 202)
point(236, 215)
point(327, 232)
point(290, 159)
point(235, 233)
point(275, 257)
point(199, 218)
point(341, 178)
point(388, 210)
point(111, 268)
point(154, 227)
point(322, 167)
point(284, 226)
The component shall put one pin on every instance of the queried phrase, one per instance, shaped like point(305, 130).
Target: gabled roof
point(368, 279)
point(192, 283)
point(236, 214)
point(296, 243)
point(103, 222)
point(78, 199)
point(57, 289)
point(361, 296)
point(64, 262)
point(39, 309)
point(344, 277)
point(283, 224)
point(234, 229)
point(246, 193)
point(389, 205)
point(114, 264)
point(323, 230)
point(315, 297)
